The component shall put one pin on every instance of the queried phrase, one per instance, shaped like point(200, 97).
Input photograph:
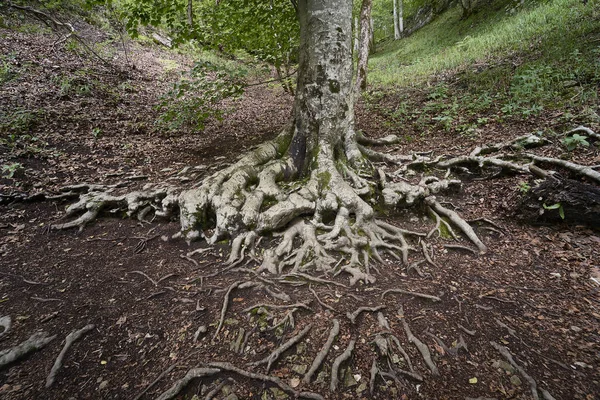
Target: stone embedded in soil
point(349, 380)
point(501, 364)
point(300, 368)
point(515, 380)
point(278, 394)
point(103, 385)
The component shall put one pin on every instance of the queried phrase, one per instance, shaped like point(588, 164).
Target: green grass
point(495, 32)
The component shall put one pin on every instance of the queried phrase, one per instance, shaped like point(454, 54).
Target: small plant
point(523, 187)
point(556, 206)
point(9, 170)
point(196, 97)
point(573, 142)
point(96, 133)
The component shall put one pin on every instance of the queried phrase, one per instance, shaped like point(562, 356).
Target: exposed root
point(278, 307)
point(311, 279)
point(210, 395)
point(534, 389)
point(274, 356)
point(521, 142)
point(154, 382)
point(5, 323)
point(338, 362)
point(423, 349)
point(438, 223)
point(384, 141)
point(324, 305)
point(584, 129)
point(70, 339)
point(37, 341)
point(183, 382)
point(459, 247)
point(335, 330)
point(353, 316)
point(583, 170)
point(458, 221)
point(265, 378)
point(238, 284)
point(410, 293)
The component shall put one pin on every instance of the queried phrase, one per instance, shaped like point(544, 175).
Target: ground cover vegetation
point(280, 234)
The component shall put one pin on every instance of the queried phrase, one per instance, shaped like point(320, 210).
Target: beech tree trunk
point(396, 21)
point(323, 107)
point(364, 44)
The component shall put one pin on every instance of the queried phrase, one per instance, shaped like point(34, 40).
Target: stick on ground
point(71, 338)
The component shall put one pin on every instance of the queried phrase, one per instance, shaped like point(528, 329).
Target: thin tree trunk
point(364, 45)
point(356, 33)
point(190, 13)
point(401, 16)
point(396, 26)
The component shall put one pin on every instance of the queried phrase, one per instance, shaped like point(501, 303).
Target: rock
point(294, 382)
point(278, 394)
point(500, 364)
point(575, 328)
point(232, 396)
point(103, 385)
point(349, 380)
point(515, 380)
point(361, 388)
point(300, 368)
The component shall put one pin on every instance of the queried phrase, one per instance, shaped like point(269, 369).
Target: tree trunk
point(190, 13)
point(401, 16)
point(323, 107)
point(365, 41)
point(356, 32)
point(396, 25)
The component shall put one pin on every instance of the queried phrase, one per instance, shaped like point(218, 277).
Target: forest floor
point(537, 290)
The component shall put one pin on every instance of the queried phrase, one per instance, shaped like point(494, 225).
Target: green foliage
point(196, 97)
point(523, 187)
point(9, 170)
point(572, 142)
point(8, 71)
point(556, 206)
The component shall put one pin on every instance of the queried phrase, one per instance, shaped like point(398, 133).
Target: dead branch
point(352, 316)
point(410, 293)
point(37, 341)
point(423, 349)
point(70, 339)
point(335, 330)
point(338, 362)
point(183, 382)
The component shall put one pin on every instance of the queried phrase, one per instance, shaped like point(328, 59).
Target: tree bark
point(190, 13)
point(323, 107)
point(401, 17)
point(365, 41)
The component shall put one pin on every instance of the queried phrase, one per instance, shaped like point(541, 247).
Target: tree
point(398, 19)
point(315, 180)
point(364, 44)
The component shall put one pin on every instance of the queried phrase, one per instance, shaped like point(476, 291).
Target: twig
point(336, 365)
point(145, 276)
point(335, 330)
point(409, 293)
point(37, 341)
point(44, 300)
point(423, 349)
point(70, 339)
point(277, 307)
point(352, 316)
point(468, 332)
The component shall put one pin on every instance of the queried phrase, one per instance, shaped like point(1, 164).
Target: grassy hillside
point(508, 62)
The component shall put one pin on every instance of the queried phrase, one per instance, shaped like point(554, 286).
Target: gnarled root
point(37, 341)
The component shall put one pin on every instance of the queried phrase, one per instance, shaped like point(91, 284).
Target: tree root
point(5, 323)
point(324, 305)
point(240, 285)
point(583, 170)
point(37, 341)
point(335, 330)
point(210, 395)
point(534, 389)
point(423, 349)
point(70, 339)
point(410, 293)
point(154, 382)
point(183, 382)
point(338, 362)
point(265, 378)
point(354, 315)
point(274, 356)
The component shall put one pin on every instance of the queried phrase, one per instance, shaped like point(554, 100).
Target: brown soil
point(533, 292)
